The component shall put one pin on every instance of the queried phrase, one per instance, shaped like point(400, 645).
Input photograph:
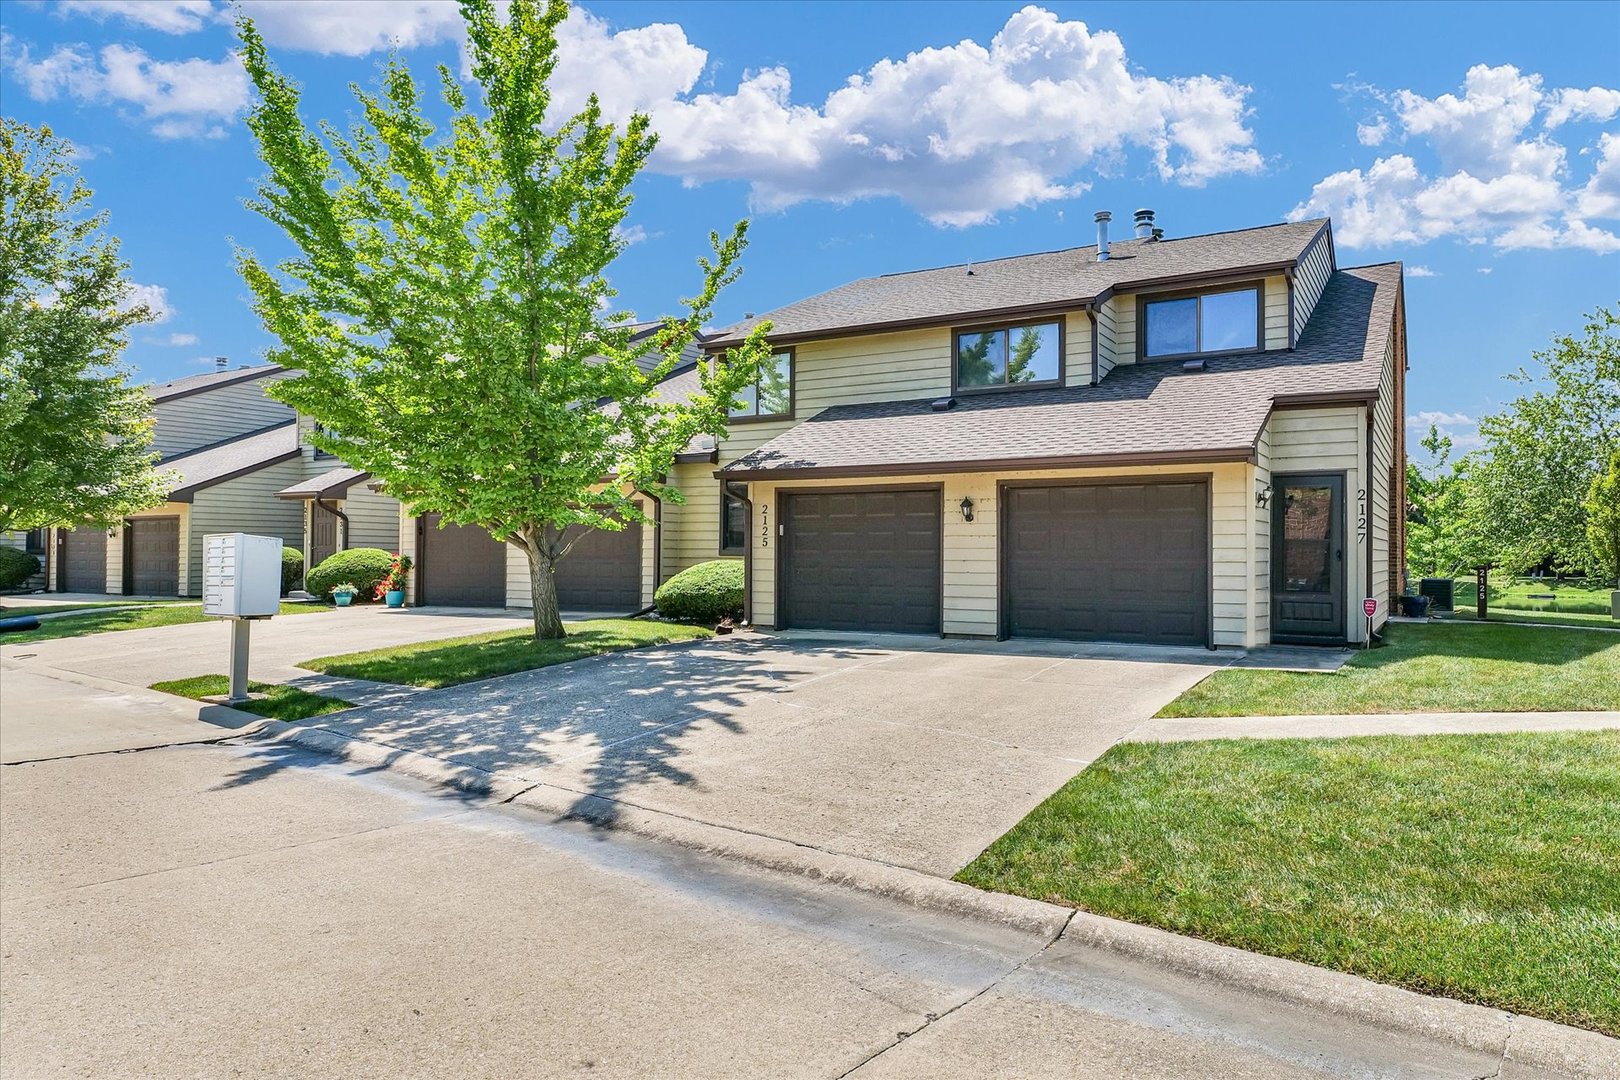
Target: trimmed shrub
point(16, 567)
point(363, 567)
point(292, 568)
point(705, 593)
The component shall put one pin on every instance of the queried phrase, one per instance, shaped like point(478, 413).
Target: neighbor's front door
point(1307, 558)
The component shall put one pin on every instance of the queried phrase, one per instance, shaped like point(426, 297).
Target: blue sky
point(1478, 143)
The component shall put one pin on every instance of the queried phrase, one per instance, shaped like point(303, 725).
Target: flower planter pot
point(343, 599)
point(395, 597)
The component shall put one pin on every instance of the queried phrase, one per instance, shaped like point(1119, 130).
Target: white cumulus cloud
point(1474, 167)
point(355, 27)
point(1421, 271)
point(178, 98)
point(180, 339)
point(959, 132)
point(155, 297)
point(169, 16)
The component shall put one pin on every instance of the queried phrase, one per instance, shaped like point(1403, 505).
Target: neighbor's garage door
point(154, 557)
point(84, 561)
point(462, 565)
point(1108, 562)
point(861, 560)
point(602, 572)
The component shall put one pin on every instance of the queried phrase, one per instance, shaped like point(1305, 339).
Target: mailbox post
point(241, 582)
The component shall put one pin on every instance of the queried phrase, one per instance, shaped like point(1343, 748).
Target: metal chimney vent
point(1103, 218)
point(1144, 224)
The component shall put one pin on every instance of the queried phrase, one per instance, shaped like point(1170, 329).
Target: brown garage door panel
point(602, 571)
point(84, 561)
point(154, 557)
point(461, 565)
point(862, 560)
point(1114, 562)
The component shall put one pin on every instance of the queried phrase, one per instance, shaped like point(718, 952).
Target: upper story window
point(772, 395)
point(1029, 354)
point(1210, 322)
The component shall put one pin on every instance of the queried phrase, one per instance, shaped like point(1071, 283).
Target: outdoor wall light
point(1262, 496)
point(967, 509)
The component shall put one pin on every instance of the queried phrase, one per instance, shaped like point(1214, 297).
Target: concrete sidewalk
point(1186, 729)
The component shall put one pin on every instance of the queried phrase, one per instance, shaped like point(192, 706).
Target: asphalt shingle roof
point(1026, 281)
point(211, 464)
point(1137, 409)
point(191, 384)
point(332, 483)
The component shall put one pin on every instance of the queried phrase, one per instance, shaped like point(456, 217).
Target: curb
point(1528, 1041)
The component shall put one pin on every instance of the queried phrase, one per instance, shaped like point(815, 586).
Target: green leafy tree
point(1603, 520)
point(1543, 451)
point(1443, 531)
point(446, 310)
point(75, 436)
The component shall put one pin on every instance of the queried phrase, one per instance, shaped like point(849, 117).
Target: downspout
point(1091, 313)
point(1288, 276)
point(1372, 413)
point(732, 489)
point(343, 544)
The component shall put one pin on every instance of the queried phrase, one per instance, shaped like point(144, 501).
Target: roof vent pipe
point(221, 363)
point(1103, 218)
point(1144, 224)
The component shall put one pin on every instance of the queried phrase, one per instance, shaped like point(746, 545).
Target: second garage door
point(1108, 562)
point(861, 560)
point(84, 561)
point(154, 557)
point(461, 565)
point(602, 572)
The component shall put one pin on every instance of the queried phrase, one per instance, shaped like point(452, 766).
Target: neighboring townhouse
point(341, 507)
point(616, 572)
point(1189, 441)
point(231, 448)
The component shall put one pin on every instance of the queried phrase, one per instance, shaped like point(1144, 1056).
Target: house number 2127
point(1361, 514)
point(764, 526)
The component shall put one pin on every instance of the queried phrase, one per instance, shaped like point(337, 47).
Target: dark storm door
point(322, 534)
point(1307, 558)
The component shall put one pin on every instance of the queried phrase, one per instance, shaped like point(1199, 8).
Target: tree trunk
point(543, 589)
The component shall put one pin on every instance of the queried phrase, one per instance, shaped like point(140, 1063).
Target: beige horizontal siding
point(971, 568)
point(1310, 279)
point(246, 504)
point(691, 529)
point(1274, 297)
point(373, 519)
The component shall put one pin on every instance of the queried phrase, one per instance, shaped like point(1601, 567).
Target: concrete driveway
point(910, 751)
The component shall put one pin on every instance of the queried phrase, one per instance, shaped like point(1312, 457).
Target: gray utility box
point(1441, 591)
point(241, 575)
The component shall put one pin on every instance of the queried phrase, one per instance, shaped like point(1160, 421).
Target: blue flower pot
point(395, 597)
point(343, 599)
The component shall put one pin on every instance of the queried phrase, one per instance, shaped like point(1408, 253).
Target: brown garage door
point(1108, 562)
point(153, 550)
point(462, 565)
point(861, 560)
point(84, 561)
point(602, 572)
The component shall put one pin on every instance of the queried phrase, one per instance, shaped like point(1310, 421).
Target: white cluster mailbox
point(241, 575)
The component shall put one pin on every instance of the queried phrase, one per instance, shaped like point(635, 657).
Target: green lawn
point(279, 702)
point(1463, 667)
point(131, 619)
point(1565, 618)
point(1479, 867)
point(445, 663)
point(1516, 594)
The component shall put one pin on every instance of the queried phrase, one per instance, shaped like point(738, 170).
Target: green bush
point(705, 593)
point(363, 567)
point(16, 567)
point(292, 568)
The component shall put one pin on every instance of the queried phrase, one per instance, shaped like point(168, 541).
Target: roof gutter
point(1076, 461)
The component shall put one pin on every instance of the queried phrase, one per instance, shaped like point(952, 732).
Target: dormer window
point(1003, 357)
point(1206, 322)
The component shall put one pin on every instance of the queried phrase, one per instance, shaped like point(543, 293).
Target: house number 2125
point(764, 526)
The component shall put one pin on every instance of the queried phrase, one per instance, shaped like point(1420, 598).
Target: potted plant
point(392, 587)
point(343, 593)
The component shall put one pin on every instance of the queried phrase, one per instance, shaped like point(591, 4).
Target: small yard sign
point(1369, 607)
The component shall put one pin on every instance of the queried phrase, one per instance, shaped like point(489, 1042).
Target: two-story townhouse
point(231, 448)
point(1191, 441)
point(605, 571)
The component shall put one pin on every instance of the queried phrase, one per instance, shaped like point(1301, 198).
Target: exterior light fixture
point(967, 509)
point(1262, 495)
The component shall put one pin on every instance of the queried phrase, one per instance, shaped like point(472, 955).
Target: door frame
point(784, 545)
point(1004, 514)
point(1338, 480)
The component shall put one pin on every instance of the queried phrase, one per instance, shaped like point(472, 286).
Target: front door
point(1307, 558)
point(322, 534)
